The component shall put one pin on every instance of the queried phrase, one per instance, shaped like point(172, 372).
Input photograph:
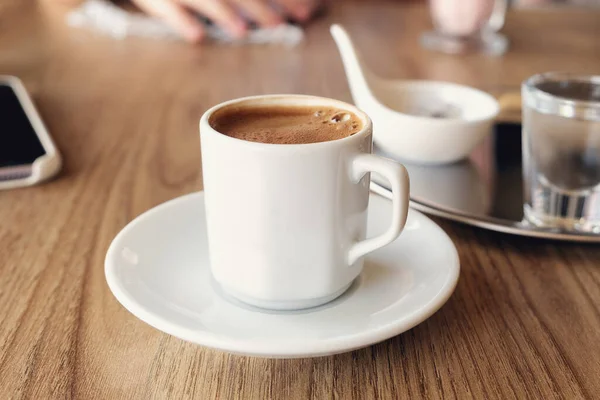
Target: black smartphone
point(27, 153)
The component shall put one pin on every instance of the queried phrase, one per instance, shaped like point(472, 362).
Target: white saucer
point(157, 267)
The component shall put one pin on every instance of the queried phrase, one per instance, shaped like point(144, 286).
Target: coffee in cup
point(286, 124)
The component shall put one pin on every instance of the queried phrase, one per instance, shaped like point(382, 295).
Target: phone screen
point(19, 143)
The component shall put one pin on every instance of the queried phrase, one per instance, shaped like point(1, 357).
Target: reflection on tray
point(488, 184)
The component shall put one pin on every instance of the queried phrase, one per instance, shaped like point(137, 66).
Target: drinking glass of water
point(561, 151)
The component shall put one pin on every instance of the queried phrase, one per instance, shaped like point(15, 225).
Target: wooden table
point(524, 321)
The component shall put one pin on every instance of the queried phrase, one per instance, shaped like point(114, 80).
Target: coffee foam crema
point(281, 124)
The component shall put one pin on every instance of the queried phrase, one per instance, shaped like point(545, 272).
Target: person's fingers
point(69, 2)
point(258, 11)
point(175, 16)
point(300, 10)
point(220, 13)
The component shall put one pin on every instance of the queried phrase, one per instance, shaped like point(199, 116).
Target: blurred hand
point(230, 15)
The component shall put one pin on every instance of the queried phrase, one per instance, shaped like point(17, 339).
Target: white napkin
point(109, 19)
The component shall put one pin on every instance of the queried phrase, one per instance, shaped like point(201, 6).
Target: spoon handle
point(356, 72)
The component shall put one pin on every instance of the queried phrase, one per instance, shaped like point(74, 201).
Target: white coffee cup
point(287, 222)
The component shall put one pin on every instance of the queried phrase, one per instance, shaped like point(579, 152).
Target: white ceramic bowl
point(403, 129)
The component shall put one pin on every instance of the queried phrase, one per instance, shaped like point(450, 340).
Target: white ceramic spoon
point(424, 122)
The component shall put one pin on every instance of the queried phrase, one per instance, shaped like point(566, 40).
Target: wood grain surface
point(523, 323)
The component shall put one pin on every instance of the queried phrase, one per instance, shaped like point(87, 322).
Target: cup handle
point(397, 175)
